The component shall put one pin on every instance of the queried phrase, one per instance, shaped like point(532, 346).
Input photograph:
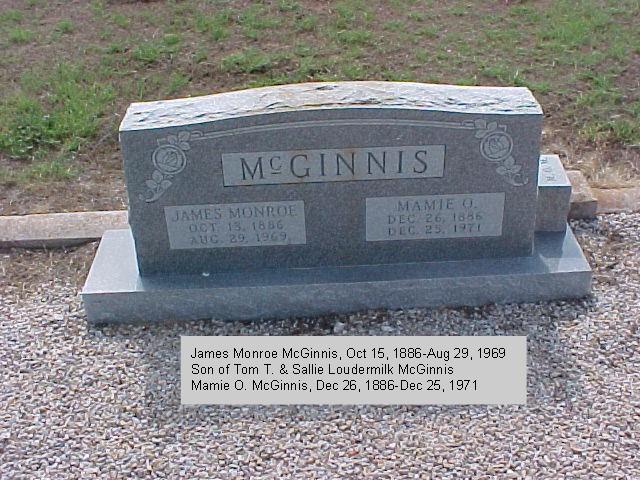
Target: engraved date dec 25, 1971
point(236, 225)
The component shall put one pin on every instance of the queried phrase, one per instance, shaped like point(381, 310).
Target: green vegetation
point(64, 26)
point(20, 35)
point(216, 25)
point(31, 124)
point(579, 57)
point(250, 60)
point(10, 16)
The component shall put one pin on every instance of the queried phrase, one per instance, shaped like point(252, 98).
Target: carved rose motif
point(496, 146)
point(169, 159)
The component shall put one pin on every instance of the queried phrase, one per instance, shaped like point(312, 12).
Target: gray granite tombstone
point(554, 195)
point(323, 197)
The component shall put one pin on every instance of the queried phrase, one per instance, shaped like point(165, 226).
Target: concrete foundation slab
point(115, 292)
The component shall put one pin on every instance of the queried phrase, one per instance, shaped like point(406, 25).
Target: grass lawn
point(69, 70)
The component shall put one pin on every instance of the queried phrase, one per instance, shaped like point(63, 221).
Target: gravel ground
point(104, 403)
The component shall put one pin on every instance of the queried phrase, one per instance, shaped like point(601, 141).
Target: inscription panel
point(434, 216)
point(333, 165)
point(236, 225)
point(551, 172)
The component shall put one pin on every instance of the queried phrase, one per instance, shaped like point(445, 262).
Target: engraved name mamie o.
point(434, 216)
point(236, 225)
point(333, 165)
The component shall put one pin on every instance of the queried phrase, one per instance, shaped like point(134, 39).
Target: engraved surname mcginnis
point(333, 165)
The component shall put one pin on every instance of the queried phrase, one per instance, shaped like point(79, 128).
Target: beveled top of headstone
point(330, 95)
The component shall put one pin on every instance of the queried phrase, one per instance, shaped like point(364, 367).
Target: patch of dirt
point(100, 185)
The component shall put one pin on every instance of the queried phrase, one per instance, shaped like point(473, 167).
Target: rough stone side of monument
point(181, 160)
point(584, 203)
point(554, 195)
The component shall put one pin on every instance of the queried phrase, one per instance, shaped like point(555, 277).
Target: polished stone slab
point(115, 291)
point(554, 195)
point(331, 148)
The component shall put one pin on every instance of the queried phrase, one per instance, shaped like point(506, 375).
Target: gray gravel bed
point(104, 403)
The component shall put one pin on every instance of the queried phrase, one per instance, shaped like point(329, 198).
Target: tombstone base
point(115, 293)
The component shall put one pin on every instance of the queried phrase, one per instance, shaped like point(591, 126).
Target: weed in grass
point(626, 131)
point(353, 71)
point(151, 18)
point(623, 130)
point(422, 55)
point(120, 20)
point(24, 127)
point(394, 25)
point(147, 52)
point(255, 18)
point(536, 87)
point(346, 14)
point(312, 68)
point(116, 47)
point(525, 14)
point(216, 25)
point(147, 87)
point(304, 50)
point(509, 76)
point(32, 124)
point(354, 37)
point(105, 33)
point(459, 11)
point(417, 16)
point(32, 81)
point(249, 60)
point(351, 13)
point(171, 40)
point(398, 75)
point(218, 33)
point(430, 31)
point(289, 6)
point(468, 81)
point(398, 4)
point(98, 8)
point(618, 51)
point(267, 79)
point(503, 36)
point(200, 55)
point(20, 35)
point(59, 168)
point(611, 119)
point(177, 82)
point(64, 26)
point(308, 23)
point(11, 16)
point(572, 25)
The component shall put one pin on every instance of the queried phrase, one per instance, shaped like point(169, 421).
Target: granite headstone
point(258, 199)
